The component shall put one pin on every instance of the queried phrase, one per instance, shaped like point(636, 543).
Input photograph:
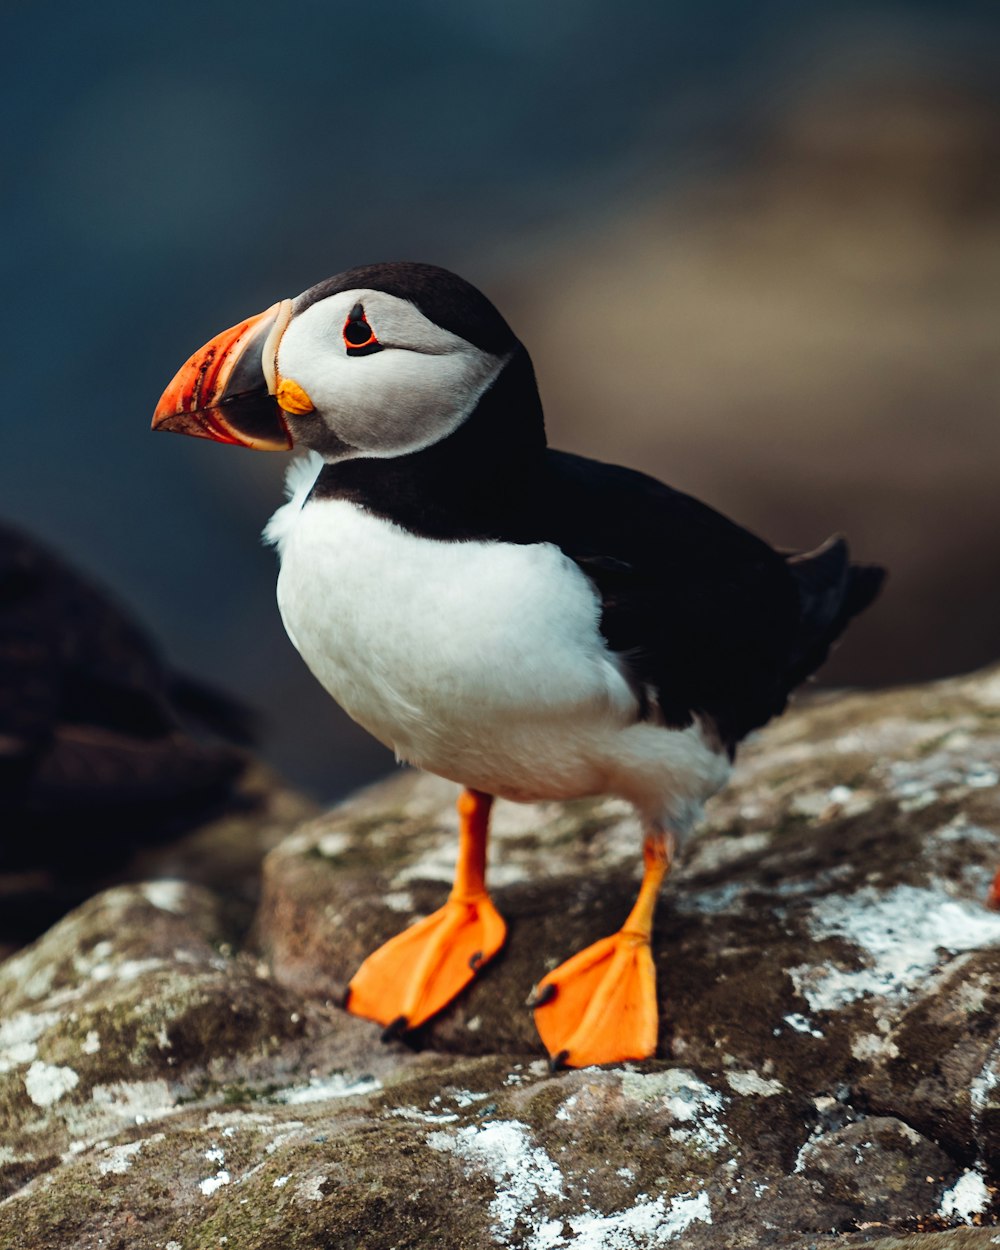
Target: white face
point(416, 390)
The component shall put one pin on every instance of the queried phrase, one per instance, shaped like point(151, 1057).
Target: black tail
point(832, 591)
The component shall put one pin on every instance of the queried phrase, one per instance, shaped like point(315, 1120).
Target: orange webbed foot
point(419, 971)
point(422, 969)
point(600, 1006)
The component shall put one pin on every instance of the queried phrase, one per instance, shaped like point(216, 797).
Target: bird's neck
point(468, 485)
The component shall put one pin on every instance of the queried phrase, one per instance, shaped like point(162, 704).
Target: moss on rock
point(830, 1025)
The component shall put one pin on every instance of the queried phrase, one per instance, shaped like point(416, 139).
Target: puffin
point(528, 623)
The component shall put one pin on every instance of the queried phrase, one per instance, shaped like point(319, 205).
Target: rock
point(829, 1065)
point(221, 844)
point(879, 1166)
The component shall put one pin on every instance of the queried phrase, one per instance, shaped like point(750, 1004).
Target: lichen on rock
point(829, 1061)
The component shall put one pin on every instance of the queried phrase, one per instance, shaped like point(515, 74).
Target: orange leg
point(993, 896)
point(600, 1005)
point(416, 973)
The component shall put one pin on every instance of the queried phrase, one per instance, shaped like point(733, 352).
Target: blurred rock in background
point(753, 249)
point(112, 763)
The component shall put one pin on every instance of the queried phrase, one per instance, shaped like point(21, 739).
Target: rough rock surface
point(829, 1068)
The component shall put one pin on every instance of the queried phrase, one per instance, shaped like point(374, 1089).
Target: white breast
point(480, 661)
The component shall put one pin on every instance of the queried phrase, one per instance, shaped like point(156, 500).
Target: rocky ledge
point(829, 1067)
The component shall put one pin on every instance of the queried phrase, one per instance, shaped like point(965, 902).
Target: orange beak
point(226, 390)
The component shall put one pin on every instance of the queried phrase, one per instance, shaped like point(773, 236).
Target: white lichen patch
point(17, 1056)
point(126, 969)
point(983, 1086)
point(901, 934)
point(399, 900)
point(25, 1026)
point(46, 1083)
point(528, 1207)
point(113, 1106)
point(117, 1160)
point(166, 895)
point(968, 1197)
point(868, 1046)
point(91, 1044)
point(333, 844)
point(298, 843)
point(425, 1117)
point(312, 1189)
point(813, 803)
point(521, 1172)
point(466, 1097)
point(805, 1149)
point(19, 1035)
point(970, 996)
point(941, 772)
point(801, 1024)
point(84, 962)
point(33, 978)
point(919, 800)
point(336, 1085)
point(749, 1083)
point(566, 1108)
point(649, 1223)
point(211, 1184)
point(960, 829)
point(694, 1106)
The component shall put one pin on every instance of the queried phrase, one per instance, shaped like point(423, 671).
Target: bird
point(103, 744)
point(526, 622)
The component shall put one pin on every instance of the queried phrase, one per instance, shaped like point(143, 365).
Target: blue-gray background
point(754, 248)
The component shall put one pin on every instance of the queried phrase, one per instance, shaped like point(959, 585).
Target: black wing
point(711, 621)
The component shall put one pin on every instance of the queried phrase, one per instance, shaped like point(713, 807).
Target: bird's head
point(378, 362)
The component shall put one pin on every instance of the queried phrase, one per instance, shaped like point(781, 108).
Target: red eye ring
point(359, 337)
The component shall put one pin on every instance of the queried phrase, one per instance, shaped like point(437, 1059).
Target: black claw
point(395, 1030)
point(544, 995)
point(557, 1062)
point(475, 960)
point(345, 998)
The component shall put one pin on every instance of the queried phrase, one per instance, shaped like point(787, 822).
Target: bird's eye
point(359, 337)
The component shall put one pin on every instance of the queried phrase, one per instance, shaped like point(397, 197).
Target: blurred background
point(753, 249)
